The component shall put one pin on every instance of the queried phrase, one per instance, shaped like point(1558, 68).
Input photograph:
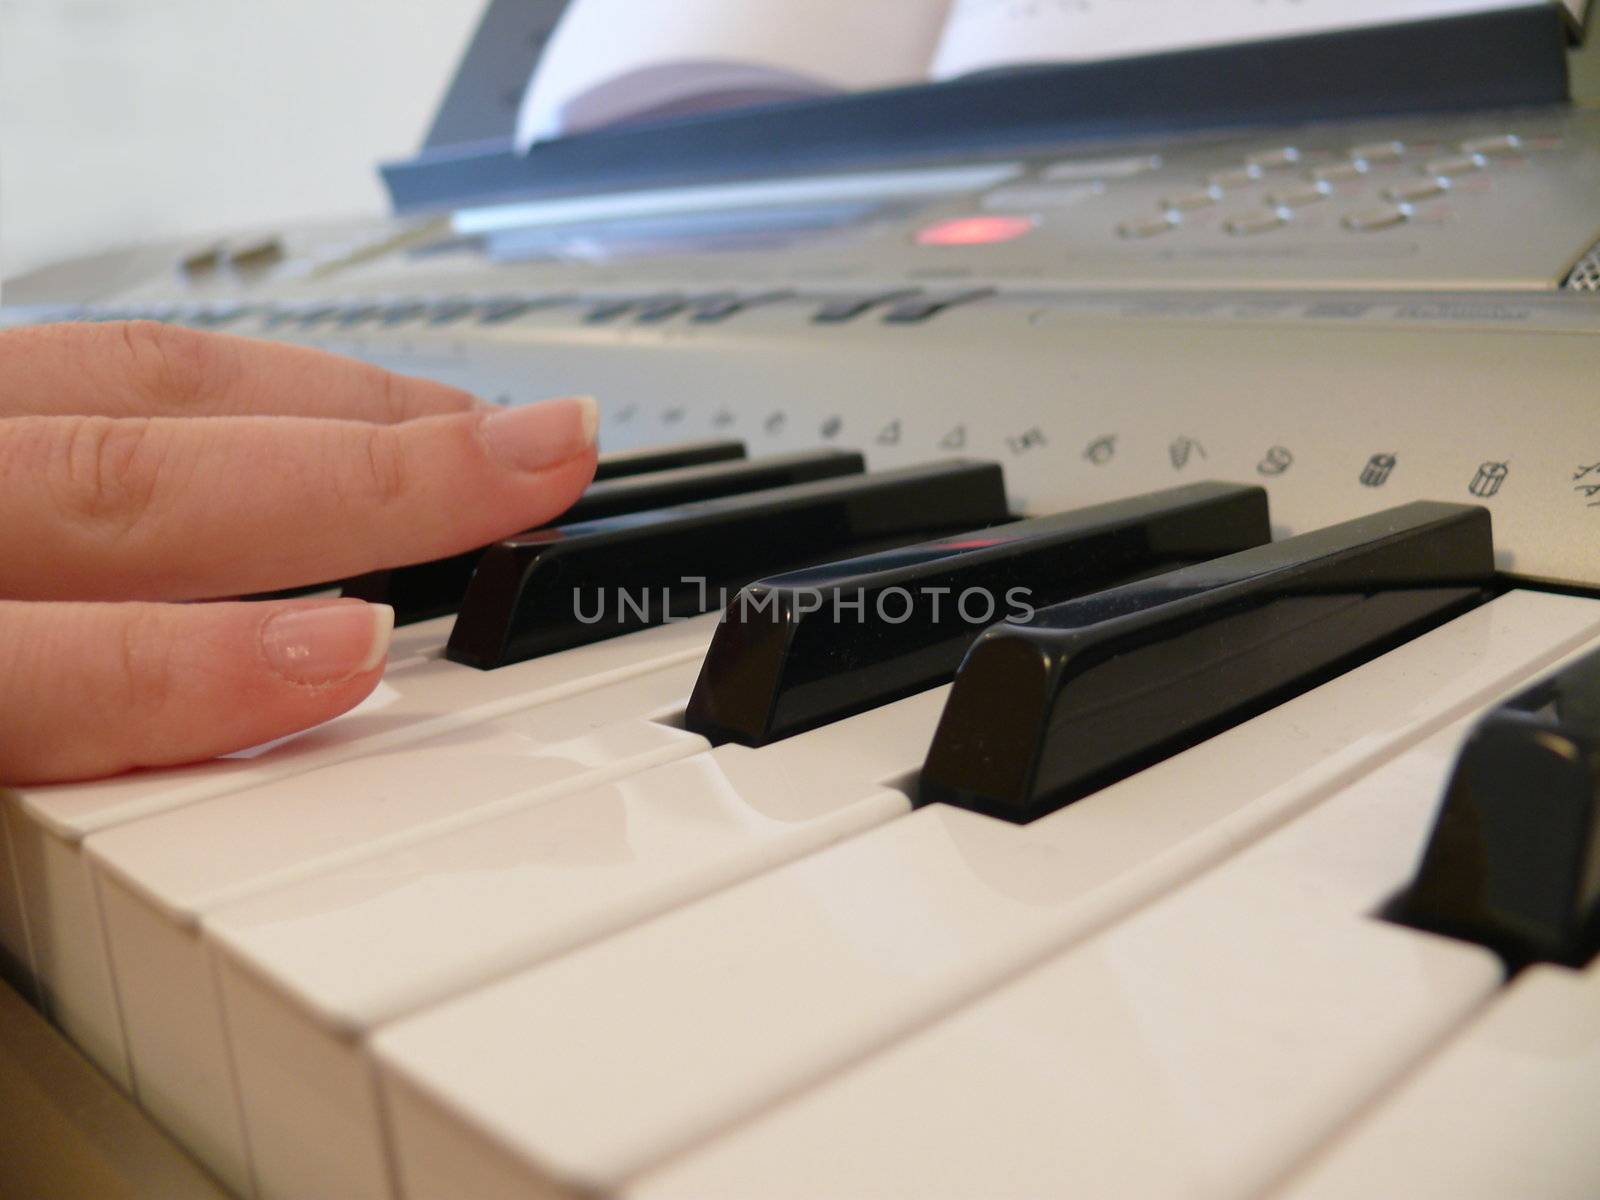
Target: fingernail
point(532, 437)
point(328, 644)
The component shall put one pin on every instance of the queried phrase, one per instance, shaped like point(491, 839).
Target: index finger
point(146, 369)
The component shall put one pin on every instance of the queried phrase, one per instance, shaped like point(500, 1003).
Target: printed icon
point(1182, 449)
point(889, 435)
point(723, 419)
point(1488, 479)
point(1589, 491)
point(627, 413)
point(1102, 450)
point(832, 426)
point(671, 416)
point(1276, 461)
point(956, 439)
point(1027, 440)
point(1376, 472)
point(776, 422)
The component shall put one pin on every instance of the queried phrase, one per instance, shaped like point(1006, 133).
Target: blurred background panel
point(131, 120)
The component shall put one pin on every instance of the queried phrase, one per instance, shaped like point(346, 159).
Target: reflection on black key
point(665, 458)
point(431, 589)
point(1513, 862)
point(797, 650)
point(1046, 711)
point(557, 588)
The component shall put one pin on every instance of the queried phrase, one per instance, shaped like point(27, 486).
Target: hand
point(142, 464)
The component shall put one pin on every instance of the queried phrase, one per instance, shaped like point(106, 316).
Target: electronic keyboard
point(1078, 677)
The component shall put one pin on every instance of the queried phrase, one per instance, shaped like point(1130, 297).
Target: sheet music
point(611, 58)
point(985, 34)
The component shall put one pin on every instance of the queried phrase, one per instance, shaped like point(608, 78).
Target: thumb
point(94, 689)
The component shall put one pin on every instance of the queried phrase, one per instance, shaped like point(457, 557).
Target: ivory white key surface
point(308, 969)
point(769, 986)
point(1509, 1107)
point(156, 877)
point(1195, 1050)
point(423, 696)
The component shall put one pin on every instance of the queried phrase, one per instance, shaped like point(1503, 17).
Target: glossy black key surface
point(1088, 691)
point(431, 589)
point(1513, 862)
point(836, 312)
point(563, 587)
point(797, 650)
point(666, 458)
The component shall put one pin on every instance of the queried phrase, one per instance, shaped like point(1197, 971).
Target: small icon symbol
point(956, 439)
point(1488, 479)
point(672, 416)
point(1376, 472)
point(1589, 491)
point(889, 435)
point(723, 419)
point(1101, 450)
point(627, 413)
point(1275, 462)
point(1027, 440)
point(776, 422)
point(1182, 449)
point(832, 426)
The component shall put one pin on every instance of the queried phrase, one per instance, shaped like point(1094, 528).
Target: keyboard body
point(519, 933)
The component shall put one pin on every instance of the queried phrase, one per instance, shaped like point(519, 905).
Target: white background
point(127, 120)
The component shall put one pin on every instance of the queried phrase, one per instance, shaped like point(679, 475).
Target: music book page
point(982, 35)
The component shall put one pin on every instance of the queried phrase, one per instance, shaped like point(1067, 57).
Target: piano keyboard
point(667, 906)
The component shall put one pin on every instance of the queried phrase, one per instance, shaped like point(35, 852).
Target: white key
point(824, 960)
point(1195, 1050)
point(1509, 1107)
point(156, 878)
point(307, 969)
point(425, 696)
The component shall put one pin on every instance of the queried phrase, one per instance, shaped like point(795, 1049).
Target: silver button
point(1335, 172)
point(1384, 217)
point(1426, 190)
point(1246, 224)
point(1148, 228)
point(1505, 143)
point(1274, 160)
point(1459, 164)
point(1199, 198)
point(1242, 177)
point(1378, 151)
point(1299, 197)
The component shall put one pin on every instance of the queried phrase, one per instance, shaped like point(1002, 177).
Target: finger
point(144, 368)
point(95, 689)
point(102, 509)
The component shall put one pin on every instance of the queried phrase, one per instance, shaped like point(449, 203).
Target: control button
point(987, 230)
point(497, 312)
point(201, 263)
point(661, 310)
point(1299, 197)
point(1339, 172)
point(1460, 164)
point(1504, 143)
point(1238, 178)
point(711, 311)
point(1275, 160)
point(1383, 217)
point(909, 312)
point(257, 256)
point(835, 312)
point(402, 311)
point(1149, 227)
point(450, 309)
point(1198, 198)
point(610, 310)
point(1411, 192)
point(1378, 151)
point(1246, 224)
point(307, 318)
point(358, 314)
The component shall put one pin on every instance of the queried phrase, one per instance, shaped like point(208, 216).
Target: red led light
point(974, 231)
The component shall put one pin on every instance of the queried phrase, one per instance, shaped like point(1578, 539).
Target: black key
point(317, 314)
point(836, 312)
point(1513, 862)
point(798, 650)
point(911, 312)
point(359, 314)
point(1088, 691)
point(431, 589)
point(402, 311)
point(558, 588)
point(450, 310)
point(621, 463)
point(610, 310)
point(710, 311)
